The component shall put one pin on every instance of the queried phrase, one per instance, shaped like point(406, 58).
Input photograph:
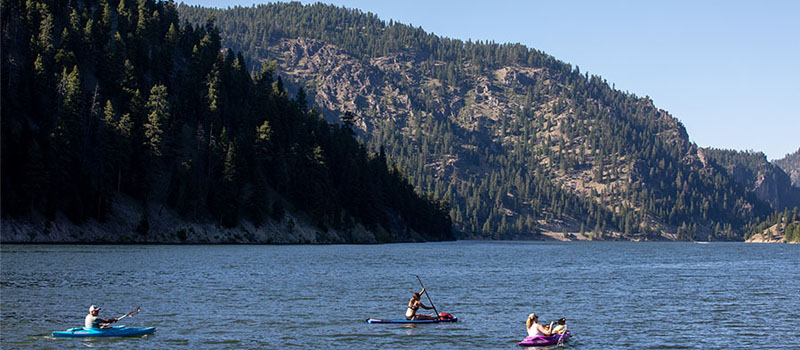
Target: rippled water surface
point(614, 295)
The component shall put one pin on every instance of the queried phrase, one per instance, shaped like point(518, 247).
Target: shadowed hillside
point(108, 103)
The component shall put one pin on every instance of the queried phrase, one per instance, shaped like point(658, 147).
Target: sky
point(728, 70)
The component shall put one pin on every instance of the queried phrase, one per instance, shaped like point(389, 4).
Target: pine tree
point(158, 114)
point(64, 143)
point(230, 179)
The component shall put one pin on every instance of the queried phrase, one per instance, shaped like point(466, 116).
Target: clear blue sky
point(727, 69)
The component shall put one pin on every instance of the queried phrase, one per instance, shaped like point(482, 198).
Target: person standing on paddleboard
point(414, 304)
point(93, 321)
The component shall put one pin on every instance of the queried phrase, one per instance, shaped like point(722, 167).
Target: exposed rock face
point(768, 181)
point(776, 188)
point(791, 165)
point(329, 66)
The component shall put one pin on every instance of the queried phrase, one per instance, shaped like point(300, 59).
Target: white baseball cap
point(94, 308)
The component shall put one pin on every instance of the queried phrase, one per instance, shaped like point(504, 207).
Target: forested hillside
point(518, 142)
point(103, 100)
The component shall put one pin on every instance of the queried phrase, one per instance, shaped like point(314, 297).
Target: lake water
point(615, 295)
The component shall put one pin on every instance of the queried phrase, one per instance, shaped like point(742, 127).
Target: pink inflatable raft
point(544, 341)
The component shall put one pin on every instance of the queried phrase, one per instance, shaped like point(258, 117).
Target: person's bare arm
point(107, 322)
point(544, 330)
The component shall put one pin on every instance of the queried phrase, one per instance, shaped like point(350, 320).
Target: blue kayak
point(403, 320)
point(118, 331)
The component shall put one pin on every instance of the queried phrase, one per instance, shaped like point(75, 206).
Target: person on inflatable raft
point(537, 330)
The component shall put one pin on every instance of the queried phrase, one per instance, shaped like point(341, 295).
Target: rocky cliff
point(791, 165)
point(767, 180)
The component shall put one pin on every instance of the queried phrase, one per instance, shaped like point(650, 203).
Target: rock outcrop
point(791, 165)
point(767, 180)
point(770, 235)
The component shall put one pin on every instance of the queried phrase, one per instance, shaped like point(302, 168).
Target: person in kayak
point(535, 329)
point(93, 321)
point(414, 304)
point(562, 326)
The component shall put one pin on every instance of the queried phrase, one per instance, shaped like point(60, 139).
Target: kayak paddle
point(130, 314)
point(429, 297)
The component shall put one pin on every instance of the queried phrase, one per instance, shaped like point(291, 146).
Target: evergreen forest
point(110, 98)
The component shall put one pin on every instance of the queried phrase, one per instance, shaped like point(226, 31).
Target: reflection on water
point(648, 295)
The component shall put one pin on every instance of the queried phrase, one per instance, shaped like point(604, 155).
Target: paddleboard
point(402, 320)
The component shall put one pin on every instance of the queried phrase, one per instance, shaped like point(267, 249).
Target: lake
point(615, 295)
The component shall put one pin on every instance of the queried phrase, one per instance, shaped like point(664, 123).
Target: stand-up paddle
point(429, 297)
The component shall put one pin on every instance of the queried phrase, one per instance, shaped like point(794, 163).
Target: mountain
point(517, 142)
point(767, 180)
point(791, 165)
point(121, 125)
